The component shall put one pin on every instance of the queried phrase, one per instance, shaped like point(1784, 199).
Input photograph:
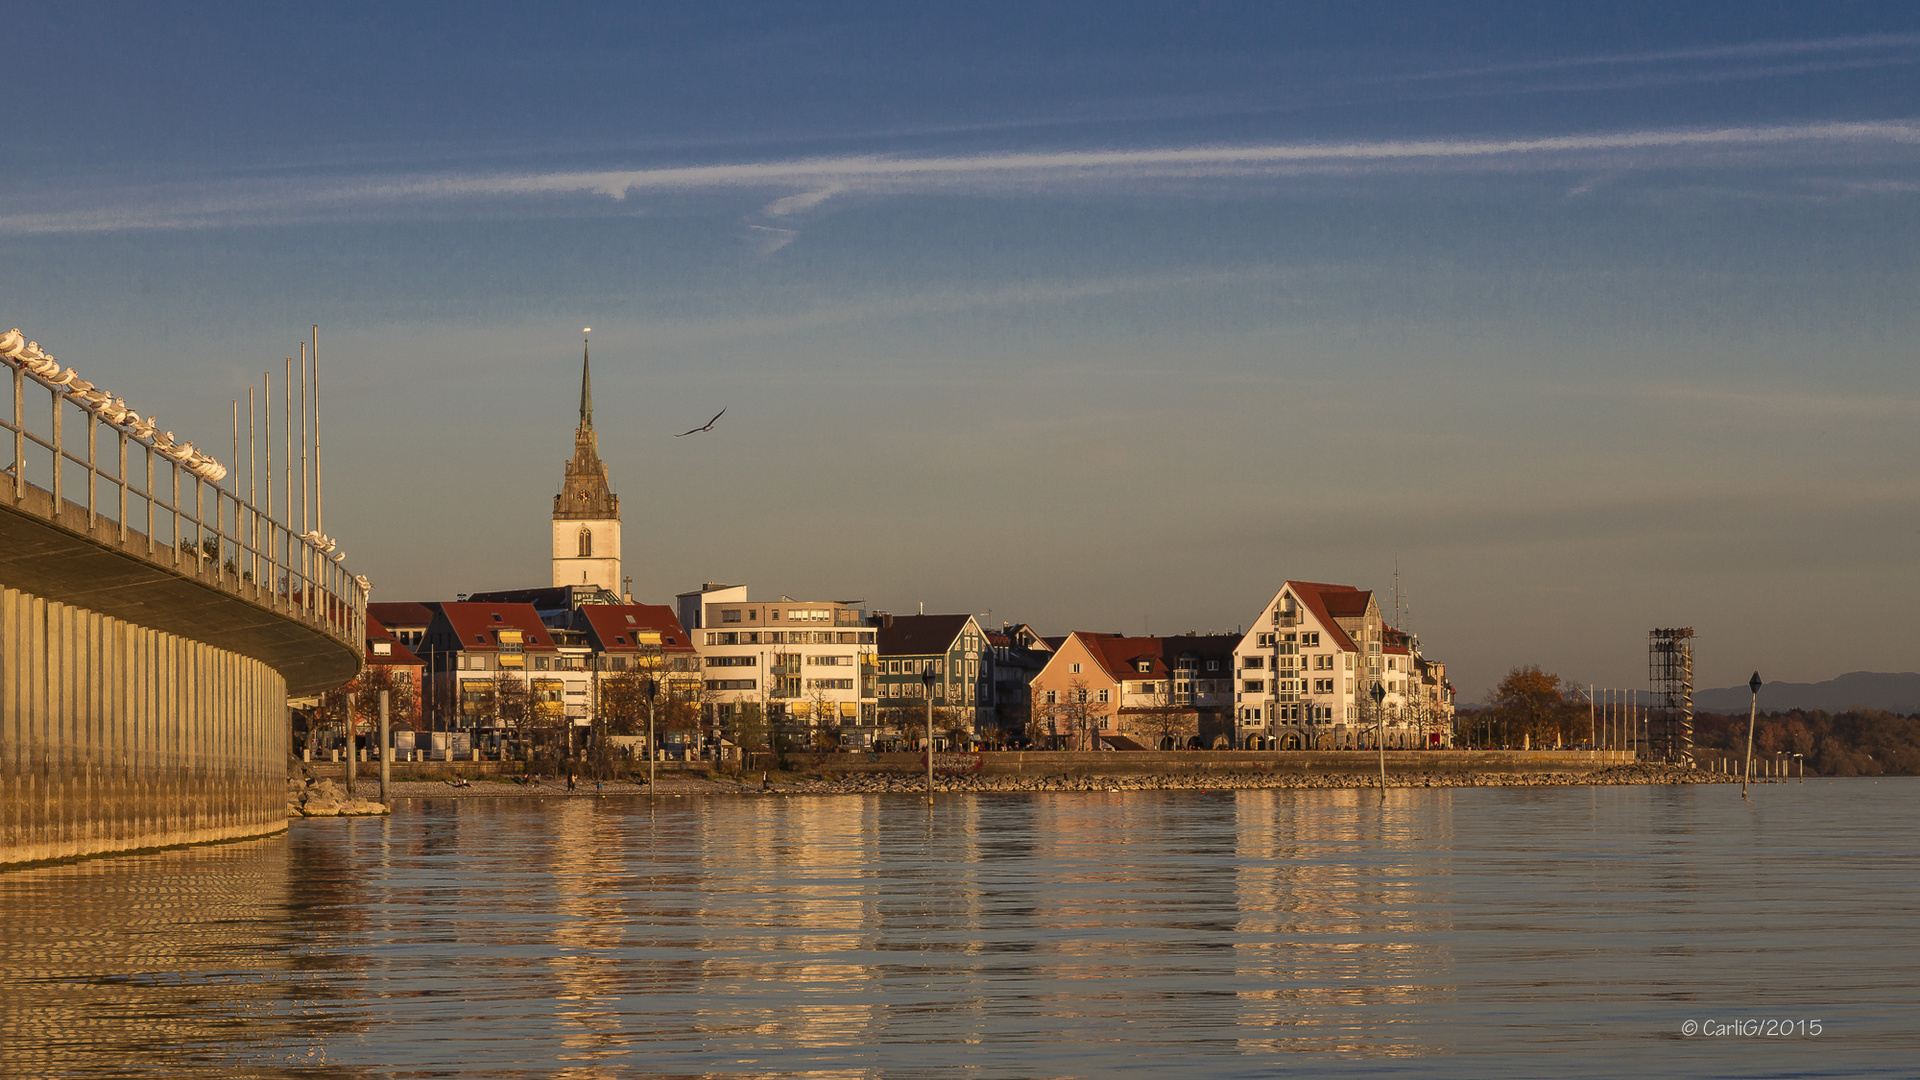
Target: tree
point(623, 701)
point(1531, 707)
point(1166, 719)
point(365, 689)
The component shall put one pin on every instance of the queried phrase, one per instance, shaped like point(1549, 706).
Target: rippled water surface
point(1469, 932)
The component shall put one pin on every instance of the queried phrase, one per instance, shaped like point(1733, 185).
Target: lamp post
point(653, 695)
point(1753, 710)
point(1379, 694)
point(1803, 767)
point(926, 680)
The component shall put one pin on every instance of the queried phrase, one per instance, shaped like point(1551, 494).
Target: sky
point(1586, 319)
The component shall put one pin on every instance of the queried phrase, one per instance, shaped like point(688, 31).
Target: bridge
point(153, 625)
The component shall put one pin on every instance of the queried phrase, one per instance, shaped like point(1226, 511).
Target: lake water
point(1459, 932)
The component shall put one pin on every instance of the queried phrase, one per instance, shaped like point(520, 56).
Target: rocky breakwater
point(307, 797)
point(1642, 773)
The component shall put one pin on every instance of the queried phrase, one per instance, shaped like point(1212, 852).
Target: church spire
point(586, 390)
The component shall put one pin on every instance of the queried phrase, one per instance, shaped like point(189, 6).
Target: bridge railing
point(158, 507)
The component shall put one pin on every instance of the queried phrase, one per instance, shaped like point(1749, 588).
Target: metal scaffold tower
point(1670, 678)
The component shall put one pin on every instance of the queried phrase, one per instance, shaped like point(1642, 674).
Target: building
point(799, 671)
point(646, 640)
point(496, 669)
point(1105, 691)
point(393, 667)
point(586, 513)
point(1305, 674)
point(1019, 653)
point(955, 651)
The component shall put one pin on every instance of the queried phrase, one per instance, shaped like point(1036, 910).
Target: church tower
point(586, 513)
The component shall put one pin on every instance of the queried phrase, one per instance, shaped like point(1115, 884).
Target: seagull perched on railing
point(707, 427)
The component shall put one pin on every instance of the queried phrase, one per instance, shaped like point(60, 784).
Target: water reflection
point(1460, 932)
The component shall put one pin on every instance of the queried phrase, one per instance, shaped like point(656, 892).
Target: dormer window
point(497, 618)
point(383, 648)
point(629, 620)
point(1143, 665)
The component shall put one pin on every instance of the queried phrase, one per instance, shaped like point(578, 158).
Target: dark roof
point(398, 653)
point(474, 625)
point(548, 598)
point(398, 613)
point(611, 627)
point(919, 635)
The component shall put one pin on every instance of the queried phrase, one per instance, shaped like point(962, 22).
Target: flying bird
point(707, 427)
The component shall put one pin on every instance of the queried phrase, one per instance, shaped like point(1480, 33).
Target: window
point(829, 684)
point(1073, 669)
point(1266, 640)
point(1213, 665)
point(1323, 686)
point(938, 666)
point(830, 661)
point(1253, 662)
point(1143, 665)
point(1311, 637)
point(730, 615)
point(1102, 696)
point(383, 648)
point(1254, 686)
point(586, 542)
point(1349, 661)
point(730, 684)
point(732, 661)
point(1050, 698)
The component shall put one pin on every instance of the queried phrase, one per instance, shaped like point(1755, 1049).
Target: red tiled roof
point(1327, 602)
point(475, 624)
point(398, 655)
point(612, 626)
point(1120, 656)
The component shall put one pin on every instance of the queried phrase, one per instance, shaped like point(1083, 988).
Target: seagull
point(708, 427)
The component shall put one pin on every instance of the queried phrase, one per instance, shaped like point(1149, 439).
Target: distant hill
point(1895, 692)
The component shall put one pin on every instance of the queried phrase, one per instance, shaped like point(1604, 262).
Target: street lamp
point(653, 696)
point(1379, 694)
point(926, 680)
point(1753, 710)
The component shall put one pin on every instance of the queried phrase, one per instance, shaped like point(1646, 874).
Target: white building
point(586, 513)
point(807, 666)
point(1304, 676)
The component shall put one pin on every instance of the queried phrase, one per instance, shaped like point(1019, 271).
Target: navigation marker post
point(1753, 710)
point(1379, 694)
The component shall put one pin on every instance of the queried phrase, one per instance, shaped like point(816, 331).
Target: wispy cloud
point(1892, 49)
point(810, 181)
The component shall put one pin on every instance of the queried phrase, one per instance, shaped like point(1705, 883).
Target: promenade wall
point(1202, 762)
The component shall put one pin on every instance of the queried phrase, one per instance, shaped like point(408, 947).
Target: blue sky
point(1100, 316)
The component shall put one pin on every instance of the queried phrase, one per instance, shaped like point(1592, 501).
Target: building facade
point(955, 651)
point(1305, 675)
point(1105, 691)
point(805, 669)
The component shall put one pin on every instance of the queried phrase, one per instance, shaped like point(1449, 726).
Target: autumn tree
point(1531, 706)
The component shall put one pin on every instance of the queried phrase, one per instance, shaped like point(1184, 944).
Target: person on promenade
point(570, 781)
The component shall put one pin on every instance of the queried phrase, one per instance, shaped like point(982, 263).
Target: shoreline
point(685, 784)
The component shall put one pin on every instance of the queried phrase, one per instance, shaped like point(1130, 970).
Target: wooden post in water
point(385, 757)
point(353, 751)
